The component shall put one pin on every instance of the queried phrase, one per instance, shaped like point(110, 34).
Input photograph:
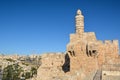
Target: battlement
point(108, 42)
point(116, 42)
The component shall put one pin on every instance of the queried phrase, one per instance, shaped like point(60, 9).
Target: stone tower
point(85, 47)
point(79, 23)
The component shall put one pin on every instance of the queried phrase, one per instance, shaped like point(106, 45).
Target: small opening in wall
point(104, 74)
point(73, 53)
point(94, 51)
point(90, 53)
point(70, 53)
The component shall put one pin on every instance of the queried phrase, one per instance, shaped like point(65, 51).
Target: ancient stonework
point(86, 58)
point(84, 49)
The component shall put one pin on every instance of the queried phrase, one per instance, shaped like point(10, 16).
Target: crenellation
point(116, 42)
point(108, 42)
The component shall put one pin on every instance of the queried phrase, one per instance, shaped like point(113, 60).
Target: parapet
point(116, 42)
point(108, 41)
point(111, 42)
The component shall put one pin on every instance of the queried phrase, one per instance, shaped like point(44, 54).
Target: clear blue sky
point(38, 26)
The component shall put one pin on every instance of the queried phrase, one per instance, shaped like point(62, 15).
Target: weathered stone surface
point(51, 67)
point(86, 57)
point(85, 50)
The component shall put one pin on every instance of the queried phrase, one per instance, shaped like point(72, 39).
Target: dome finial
point(79, 12)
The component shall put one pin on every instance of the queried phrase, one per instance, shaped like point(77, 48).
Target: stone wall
point(51, 66)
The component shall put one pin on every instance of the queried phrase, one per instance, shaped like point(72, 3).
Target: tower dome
point(79, 12)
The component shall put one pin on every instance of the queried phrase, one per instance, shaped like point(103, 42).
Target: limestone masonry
point(86, 58)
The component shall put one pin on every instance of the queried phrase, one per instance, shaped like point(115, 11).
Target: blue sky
point(38, 26)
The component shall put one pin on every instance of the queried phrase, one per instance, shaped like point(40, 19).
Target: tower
point(79, 19)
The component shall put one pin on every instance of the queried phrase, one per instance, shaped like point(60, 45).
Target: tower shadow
point(66, 65)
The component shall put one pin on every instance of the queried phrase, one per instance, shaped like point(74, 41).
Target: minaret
point(79, 23)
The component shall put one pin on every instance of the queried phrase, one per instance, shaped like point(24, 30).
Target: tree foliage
point(12, 72)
